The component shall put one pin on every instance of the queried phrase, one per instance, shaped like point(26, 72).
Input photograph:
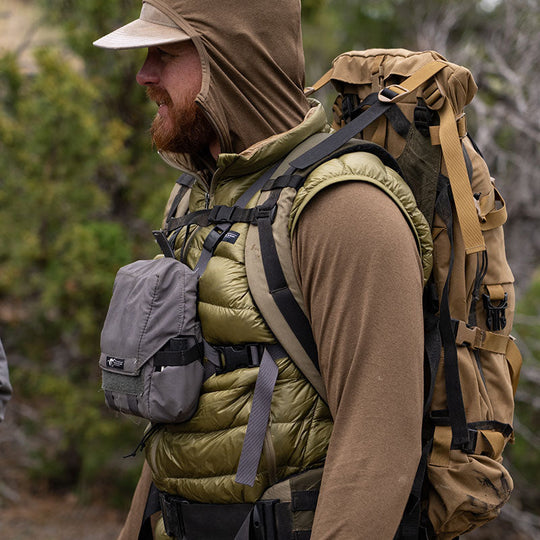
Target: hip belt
point(263, 520)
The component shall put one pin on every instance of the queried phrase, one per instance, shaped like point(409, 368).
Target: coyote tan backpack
point(412, 104)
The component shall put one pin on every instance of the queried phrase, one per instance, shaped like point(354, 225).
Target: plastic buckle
point(468, 336)
point(496, 315)
point(470, 446)
point(233, 357)
point(264, 212)
point(221, 214)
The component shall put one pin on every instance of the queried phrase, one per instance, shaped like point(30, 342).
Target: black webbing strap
point(410, 524)
point(505, 429)
point(152, 506)
point(279, 289)
point(454, 397)
point(163, 243)
point(218, 233)
point(294, 181)
point(177, 358)
point(199, 217)
point(341, 137)
point(397, 119)
point(185, 182)
point(432, 342)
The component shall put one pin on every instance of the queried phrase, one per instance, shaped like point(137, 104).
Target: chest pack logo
point(115, 363)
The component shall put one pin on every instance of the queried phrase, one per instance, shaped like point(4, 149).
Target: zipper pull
point(207, 200)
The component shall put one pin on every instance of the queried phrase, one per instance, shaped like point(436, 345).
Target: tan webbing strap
point(490, 442)
point(419, 77)
point(495, 218)
point(477, 338)
point(434, 131)
point(442, 439)
point(459, 181)
point(323, 81)
point(497, 343)
point(496, 292)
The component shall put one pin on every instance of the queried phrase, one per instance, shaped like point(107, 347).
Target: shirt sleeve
point(5, 386)
point(360, 273)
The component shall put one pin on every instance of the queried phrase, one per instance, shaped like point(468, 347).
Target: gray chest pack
point(151, 343)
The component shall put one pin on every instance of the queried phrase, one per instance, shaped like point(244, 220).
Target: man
point(228, 78)
point(5, 386)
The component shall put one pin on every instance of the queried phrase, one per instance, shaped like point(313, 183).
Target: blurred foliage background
point(81, 189)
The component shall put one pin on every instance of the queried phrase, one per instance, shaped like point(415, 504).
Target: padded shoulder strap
point(257, 275)
point(269, 264)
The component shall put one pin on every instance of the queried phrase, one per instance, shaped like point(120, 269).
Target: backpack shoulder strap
point(269, 264)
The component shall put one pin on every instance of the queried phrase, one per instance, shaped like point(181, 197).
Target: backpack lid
point(369, 66)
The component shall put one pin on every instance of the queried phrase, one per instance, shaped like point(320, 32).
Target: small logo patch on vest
point(231, 237)
point(116, 363)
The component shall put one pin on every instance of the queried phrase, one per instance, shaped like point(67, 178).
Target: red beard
point(189, 132)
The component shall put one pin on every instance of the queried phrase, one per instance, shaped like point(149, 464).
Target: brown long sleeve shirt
point(361, 277)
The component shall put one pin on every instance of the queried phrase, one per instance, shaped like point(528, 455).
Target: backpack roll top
point(412, 104)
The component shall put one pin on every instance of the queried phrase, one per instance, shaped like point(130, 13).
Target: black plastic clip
point(496, 314)
point(163, 243)
point(470, 446)
point(238, 356)
point(264, 212)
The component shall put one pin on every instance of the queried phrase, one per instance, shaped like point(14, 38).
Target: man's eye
point(165, 54)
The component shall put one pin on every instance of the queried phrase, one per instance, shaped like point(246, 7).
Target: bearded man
point(338, 461)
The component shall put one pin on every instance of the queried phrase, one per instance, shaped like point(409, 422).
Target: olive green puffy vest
point(198, 459)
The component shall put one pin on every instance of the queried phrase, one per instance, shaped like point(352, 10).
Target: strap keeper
point(433, 97)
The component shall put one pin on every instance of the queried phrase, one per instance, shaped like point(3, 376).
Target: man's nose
point(149, 72)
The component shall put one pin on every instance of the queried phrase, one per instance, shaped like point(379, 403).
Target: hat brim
point(139, 34)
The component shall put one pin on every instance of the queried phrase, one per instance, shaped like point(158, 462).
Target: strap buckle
point(233, 357)
point(469, 447)
point(468, 336)
point(221, 214)
point(264, 212)
point(496, 314)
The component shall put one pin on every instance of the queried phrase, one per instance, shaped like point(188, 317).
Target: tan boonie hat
point(151, 28)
